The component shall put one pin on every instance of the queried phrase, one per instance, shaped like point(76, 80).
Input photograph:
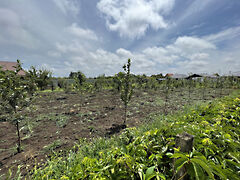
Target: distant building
point(194, 76)
point(10, 66)
point(179, 76)
point(212, 76)
point(168, 75)
point(236, 74)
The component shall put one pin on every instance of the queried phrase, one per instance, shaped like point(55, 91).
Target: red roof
point(6, 65)
point(169, 75)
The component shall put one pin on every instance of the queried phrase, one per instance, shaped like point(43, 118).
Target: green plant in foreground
point(126, 87)
point(197, 166)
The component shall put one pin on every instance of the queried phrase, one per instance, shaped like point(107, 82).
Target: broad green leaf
point(198, 171)
point(204, 166)
point(179, 155)
point(150, 173)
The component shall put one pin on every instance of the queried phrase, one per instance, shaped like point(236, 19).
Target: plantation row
point(149, 152)
point(143, 82)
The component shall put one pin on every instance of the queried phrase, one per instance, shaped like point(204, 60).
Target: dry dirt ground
point(57, 120)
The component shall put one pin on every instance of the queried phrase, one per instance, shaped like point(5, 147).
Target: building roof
point(194, 76)
point(10, 66)
point(169, 75)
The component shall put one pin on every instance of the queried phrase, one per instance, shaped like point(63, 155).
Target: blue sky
point(98, 36)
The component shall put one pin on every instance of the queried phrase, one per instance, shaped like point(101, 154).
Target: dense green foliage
point(148, 152)
point(41, 77)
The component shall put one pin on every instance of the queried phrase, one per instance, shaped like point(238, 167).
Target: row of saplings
point(17, 92)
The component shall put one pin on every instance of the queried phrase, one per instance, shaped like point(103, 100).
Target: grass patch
point(60, 119)
point(53, 146)
point(159, 102)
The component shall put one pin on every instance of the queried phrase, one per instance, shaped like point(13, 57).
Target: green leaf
point(141, 174)
point(179, 155)
point(159, 175)
point(198, 171)
point(204, 166)
point(234, 157)
point(218, 171)
point(150, 173)
point(180, 167)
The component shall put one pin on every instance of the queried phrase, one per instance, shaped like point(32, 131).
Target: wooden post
point(185, 142)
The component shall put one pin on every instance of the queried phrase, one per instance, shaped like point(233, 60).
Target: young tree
point(41, 77)
point(78, 76)
point(14, 91)
point(117, 81)
point(126, 87)
point(167, 88)
point(100, 82)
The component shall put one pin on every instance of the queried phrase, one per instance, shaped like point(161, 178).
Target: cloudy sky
point(98, 36)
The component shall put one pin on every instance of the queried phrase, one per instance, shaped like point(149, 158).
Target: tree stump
point(185, 142)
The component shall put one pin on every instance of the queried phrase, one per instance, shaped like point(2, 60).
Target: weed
point(53, 146)
point(61, 121)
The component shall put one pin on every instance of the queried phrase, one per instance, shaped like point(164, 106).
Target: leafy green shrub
point(41, 77)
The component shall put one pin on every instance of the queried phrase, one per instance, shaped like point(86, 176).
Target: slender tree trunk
point(221, 87)
point(125, 118)
point(18, 132)
point(189, 91)
point(19, 138)
point(203, 93)
point(166, 101)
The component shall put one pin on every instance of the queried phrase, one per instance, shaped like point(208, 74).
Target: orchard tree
point(79, 78)
point(126, 87)
point(14, 94)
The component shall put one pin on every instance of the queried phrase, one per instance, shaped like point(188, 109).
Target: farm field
point(57, 120)
point(119, 90)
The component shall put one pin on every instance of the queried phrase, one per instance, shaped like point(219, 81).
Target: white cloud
point(194, 9)
point(68, 6)
point(12, 30)
point(193, 43)
point(185, 53)
point(159, 55)
point(224, 35)
point(81, 33)
point(54, 54)
point(124, 53)
point(199, 56)
point(132, 18)
point(73, 47)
